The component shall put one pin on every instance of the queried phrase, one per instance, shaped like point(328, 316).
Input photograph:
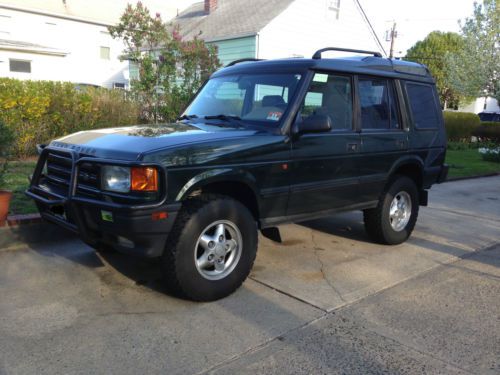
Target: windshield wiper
point(223, 117)
point(186, 117)
point(227, 118)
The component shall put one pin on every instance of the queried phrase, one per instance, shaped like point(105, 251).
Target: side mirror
point(315, 124)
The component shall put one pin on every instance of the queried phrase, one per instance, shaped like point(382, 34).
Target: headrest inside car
point(272, 101)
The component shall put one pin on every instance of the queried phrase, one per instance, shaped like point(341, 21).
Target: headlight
point(125, 179)
point(115, 178)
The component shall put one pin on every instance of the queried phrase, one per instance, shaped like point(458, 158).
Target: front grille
point(58, 174)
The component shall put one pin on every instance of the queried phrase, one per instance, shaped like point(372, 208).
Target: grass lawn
point(17, 182)
point(464, 163)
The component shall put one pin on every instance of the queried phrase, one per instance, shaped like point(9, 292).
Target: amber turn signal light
point(143, 179)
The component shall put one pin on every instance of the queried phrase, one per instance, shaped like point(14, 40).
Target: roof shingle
point(231, 18)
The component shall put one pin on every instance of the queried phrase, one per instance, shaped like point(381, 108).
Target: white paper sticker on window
point(320, 77)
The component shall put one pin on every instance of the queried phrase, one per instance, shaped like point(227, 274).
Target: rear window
point(422, 105)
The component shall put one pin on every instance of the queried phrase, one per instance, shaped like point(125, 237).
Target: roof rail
point(317, 54)
point(240, 61)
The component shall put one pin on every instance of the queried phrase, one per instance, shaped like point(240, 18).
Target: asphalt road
point(326, 300)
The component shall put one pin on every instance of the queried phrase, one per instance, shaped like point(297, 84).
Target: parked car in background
point(262, 143)
point(489, 116)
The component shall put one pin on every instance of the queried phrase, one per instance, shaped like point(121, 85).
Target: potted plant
point(6, 139)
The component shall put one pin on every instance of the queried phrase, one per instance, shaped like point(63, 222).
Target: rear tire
point(211, 249)
point(394, 218)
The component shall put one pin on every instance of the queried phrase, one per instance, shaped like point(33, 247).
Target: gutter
point(54, 15)
point(34, 51)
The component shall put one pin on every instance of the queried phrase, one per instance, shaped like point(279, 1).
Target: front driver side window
point(330, 95)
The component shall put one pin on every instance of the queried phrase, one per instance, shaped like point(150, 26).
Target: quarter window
point(422, 106)
point(378, 106)
point(330, 95)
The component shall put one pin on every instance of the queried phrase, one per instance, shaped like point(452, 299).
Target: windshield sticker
point(274, 116)
point(320, 77)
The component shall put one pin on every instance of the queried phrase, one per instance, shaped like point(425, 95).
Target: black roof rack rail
point(240, 61)
point(317, 54)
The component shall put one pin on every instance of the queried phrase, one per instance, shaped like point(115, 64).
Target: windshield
point(259, 99)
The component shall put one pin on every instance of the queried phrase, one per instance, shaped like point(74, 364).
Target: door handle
point(352, 147)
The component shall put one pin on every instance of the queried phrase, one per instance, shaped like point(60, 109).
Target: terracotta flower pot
point(5, 197)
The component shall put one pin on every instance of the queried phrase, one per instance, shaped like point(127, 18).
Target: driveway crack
point(316, 249)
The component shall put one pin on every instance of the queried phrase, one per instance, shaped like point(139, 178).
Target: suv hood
point(129, 143)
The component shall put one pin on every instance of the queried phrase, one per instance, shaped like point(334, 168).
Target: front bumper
point(134, 229)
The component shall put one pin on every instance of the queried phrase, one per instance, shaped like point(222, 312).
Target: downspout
point(257, 41)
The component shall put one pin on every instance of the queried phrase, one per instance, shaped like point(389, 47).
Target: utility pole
point(393, 34)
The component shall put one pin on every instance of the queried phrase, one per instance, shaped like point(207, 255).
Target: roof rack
point(240, 61)
point(317, 54)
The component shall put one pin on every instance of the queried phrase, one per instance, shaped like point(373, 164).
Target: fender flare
point(218, 175)
point(407, 160)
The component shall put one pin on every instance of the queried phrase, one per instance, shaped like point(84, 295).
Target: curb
point(25, 230)
point(471, 177)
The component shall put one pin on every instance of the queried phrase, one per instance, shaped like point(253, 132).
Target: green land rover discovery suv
point(261, 144)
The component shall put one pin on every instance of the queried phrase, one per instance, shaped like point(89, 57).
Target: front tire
point(394, 218)
point(211, 249)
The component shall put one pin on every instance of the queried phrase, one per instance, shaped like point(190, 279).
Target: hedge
point(488, 130)
point(460, 125)
point(38, 111)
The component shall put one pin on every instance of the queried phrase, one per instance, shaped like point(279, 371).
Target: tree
point(432, 51)
point(170, 69)
point(475, 71)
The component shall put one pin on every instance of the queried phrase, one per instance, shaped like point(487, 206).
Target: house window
point(332, 9)
point(21, 66)
point(105, 53)
point(119, 85)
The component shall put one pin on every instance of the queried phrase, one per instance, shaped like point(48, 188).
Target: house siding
point(79, 45)
point(306, 26)
point(234, 49)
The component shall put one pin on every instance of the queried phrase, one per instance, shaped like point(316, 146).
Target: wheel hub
point(400, 211)
point(218, 250)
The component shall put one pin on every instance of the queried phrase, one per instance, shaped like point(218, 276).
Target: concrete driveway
point(327, 300)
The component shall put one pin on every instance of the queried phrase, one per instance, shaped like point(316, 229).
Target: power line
point(370, 25)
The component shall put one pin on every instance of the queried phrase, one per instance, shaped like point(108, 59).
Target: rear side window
point(422, 105)
point(378, 105)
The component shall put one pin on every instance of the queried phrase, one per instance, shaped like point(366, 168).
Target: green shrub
point(460, 125)
point(6, 138)
point(38, 111)
point(488, 130)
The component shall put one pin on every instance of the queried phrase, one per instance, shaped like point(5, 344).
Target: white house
point(483, 104)
point(66, 40)
point(267, 29)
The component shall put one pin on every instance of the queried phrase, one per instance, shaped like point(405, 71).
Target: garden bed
point(17, 181)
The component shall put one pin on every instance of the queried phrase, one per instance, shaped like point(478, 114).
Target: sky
point(414, 18)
